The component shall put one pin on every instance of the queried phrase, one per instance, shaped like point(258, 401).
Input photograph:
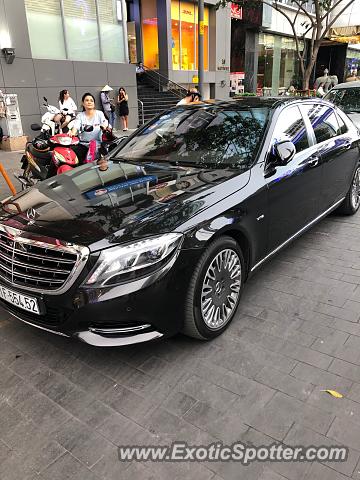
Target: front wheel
point(351, 202)
point(215, 289)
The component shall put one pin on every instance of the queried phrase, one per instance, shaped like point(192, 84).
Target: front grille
point(36, 265)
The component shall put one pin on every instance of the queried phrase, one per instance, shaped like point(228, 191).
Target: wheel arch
point(241, 239)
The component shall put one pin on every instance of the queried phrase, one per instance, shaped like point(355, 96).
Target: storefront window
point(289, 64)
point(86, 22)
point(132, 42)
point(150, 33)
point(265, 62)
point(352, 66)
point(111, 30)
point(278, 64)
point(44, 22)
point(81, 29)
point(184, 29)
point(175, 34)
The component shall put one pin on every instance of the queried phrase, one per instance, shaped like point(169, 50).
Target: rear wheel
point(214, 290)
point(351, 202)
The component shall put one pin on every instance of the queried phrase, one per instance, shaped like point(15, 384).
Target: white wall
point(281, 25)
point(350, 17)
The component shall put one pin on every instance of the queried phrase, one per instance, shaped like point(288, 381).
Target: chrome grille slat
point(48, 266)
point(35, 267)
point(40, 257)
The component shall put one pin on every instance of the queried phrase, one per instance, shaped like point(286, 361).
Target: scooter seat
point(39, 154)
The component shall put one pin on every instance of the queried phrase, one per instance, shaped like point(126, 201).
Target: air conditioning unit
point(10, 120)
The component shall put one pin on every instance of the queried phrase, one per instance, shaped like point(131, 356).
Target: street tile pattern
point(65, 407)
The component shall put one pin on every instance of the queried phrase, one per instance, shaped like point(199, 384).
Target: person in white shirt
point(187, 99)
point(66, 102)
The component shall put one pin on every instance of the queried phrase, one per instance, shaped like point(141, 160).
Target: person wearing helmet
point(40, 145)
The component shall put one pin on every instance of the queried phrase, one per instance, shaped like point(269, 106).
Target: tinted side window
point(324, 122)
point(290, 126)
point(348, 99)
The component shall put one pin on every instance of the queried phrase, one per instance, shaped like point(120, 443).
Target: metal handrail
point(159, 80)
point(142, 111)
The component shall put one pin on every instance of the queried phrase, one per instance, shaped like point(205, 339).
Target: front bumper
point(143, 310)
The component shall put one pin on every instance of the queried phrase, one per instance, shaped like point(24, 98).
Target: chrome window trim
point(81, 252)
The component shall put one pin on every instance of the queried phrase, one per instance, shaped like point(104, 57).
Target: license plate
point(30, 304)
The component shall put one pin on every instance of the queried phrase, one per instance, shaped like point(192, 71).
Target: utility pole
point(201, 45)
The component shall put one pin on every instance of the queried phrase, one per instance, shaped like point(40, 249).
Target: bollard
point(7, 179)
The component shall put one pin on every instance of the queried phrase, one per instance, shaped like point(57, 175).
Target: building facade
point(263, 48)
point(64, 44)
point(163, 34)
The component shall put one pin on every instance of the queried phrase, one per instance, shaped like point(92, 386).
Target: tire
point(208, 310)
point(351, 202)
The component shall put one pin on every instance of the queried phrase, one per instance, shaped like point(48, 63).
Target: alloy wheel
point(355, 190)
point(221, 289)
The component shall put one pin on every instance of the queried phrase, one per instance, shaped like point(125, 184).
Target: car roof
point(252, 101)
point(355, 84)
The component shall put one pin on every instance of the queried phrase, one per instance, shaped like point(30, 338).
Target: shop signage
point(222, 66)
point(236, 11)
point(246, 14)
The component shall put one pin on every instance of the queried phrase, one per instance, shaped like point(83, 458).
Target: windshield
point(348, 99)
point(210, 136)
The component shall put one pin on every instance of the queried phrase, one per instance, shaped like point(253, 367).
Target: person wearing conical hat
point(108, 105)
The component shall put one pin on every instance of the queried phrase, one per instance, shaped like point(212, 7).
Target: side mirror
point(45, 99)
point(284, 152)
point(35, 127)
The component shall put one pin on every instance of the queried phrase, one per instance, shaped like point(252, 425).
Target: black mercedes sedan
point(162, 236)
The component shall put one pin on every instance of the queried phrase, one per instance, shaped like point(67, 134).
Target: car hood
point(126, 201)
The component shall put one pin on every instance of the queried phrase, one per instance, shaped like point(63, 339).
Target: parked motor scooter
point(49, 127)
point(37, 162)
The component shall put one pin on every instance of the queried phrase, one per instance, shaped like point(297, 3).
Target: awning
point(350, 34)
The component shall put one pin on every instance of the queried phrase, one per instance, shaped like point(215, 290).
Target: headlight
point(124, 259)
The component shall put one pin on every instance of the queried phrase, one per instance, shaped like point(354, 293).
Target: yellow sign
point(195, 79)
point(187, 12)
point(202, 28)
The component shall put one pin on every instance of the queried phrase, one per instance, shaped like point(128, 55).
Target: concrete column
point(138, 31)
point(164, 36)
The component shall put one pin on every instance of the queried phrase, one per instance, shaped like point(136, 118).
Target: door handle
point(313, 161)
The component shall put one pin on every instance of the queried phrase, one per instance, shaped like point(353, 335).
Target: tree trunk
point(309, 68)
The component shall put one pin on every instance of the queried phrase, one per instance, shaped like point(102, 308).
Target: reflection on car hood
point(126, 201)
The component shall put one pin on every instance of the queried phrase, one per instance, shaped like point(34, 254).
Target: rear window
point(202, 136)
point(348, 99)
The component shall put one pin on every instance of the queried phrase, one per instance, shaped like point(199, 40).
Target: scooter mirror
point(35, 127)
point(45, 99)
point(88, 128)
